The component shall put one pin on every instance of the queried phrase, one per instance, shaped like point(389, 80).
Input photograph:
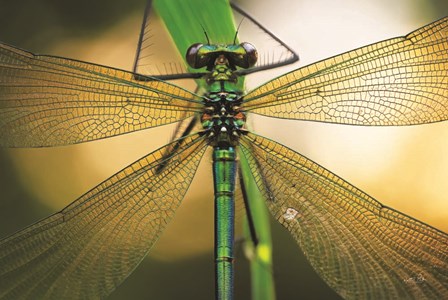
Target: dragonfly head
point(243, 55)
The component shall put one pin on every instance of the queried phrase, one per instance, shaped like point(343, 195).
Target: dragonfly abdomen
point(224, 173)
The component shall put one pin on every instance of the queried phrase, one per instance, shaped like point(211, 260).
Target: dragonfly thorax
point(222, 119)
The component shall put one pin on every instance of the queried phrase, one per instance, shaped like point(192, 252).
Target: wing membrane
point(90, 247)
point(362, 249)
point(402, 81)
point(49, 101)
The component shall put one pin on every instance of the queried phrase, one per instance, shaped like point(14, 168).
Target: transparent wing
point(272, 52)
point(401, 81)
point(156, 54)
point(90, 247)
point(49, 101)
point(362, 249)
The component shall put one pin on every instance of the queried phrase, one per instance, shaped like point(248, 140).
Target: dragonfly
point(360, 247)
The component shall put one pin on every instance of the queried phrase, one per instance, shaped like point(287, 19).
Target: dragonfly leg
point(250, 220)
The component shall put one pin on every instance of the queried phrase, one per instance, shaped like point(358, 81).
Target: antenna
point(237, 30)
point(206, 35)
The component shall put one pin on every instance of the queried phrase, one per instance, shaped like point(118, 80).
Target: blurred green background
point(410, 168)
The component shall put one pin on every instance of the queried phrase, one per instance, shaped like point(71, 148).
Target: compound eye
point(195, 59)
point(250, 59)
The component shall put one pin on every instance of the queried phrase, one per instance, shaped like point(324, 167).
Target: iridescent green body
point(222, 122)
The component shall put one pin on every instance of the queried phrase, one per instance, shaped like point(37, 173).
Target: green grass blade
point(186, 22)
point(262, 281)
